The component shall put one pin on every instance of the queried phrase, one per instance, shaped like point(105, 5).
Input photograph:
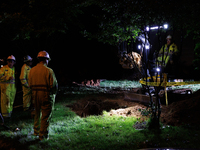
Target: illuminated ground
point(112, 100)
point(89, 101)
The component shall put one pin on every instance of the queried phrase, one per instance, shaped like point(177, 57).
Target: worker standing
point(8, 89)
point(24, 81)
point(167, 52)
point(43, 84)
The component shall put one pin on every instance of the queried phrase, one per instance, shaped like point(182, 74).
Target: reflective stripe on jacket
point(168, 51)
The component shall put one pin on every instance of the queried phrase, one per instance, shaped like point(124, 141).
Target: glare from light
point(158, 69)
point(142, 38)
point(147, 46)
point(165, 26)
point(154, 28)
point(139, 46)
point(147, 28)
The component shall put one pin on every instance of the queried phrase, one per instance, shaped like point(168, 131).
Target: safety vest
point(168, 51)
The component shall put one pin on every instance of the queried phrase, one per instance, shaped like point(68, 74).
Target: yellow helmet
point(43, 54)
point(11, 57)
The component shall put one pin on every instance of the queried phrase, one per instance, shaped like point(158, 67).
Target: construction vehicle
point(156, 79)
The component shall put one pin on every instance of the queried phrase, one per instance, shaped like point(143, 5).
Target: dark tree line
point(108, 21)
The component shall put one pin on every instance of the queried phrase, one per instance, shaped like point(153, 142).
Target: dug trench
point(184, 111)
point(112, 103)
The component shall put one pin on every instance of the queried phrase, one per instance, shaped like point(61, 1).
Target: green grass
point(69, 131)
point(124, 84)
point(194, 87)
point(127, 84)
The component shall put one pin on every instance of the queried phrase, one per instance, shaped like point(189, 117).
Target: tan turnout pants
point(43, 103)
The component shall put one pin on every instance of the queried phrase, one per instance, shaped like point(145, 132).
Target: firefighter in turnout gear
point(24, 81)
point(43, 84)
point(8, 89)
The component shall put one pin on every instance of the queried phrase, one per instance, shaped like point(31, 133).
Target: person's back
point(43, 84)
point(38, 76)
point(41, 77)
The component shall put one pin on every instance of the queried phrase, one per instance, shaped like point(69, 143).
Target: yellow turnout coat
point(25, 87)
point(8, 90)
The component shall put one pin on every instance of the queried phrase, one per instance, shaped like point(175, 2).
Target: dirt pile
point(183, 112)
point(128, 112)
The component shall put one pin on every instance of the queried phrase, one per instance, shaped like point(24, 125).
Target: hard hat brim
point(11, 59)
point(28, 60)
point(45, 57)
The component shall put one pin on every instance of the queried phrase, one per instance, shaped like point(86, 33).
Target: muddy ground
point(183, 111)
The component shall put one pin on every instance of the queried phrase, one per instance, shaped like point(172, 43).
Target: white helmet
point(27, 58)
point(169, 37)
point(43, 54)
point(11, 57)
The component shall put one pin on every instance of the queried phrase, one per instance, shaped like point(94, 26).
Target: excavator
point(158, 73)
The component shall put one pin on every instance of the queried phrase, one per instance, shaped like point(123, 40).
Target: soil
point(112, 103)
point(181, 112)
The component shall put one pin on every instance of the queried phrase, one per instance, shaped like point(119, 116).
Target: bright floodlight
point(154, 28)
point(147, 28)
point(165, 26)
point(158, 69)
point(139, 46)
